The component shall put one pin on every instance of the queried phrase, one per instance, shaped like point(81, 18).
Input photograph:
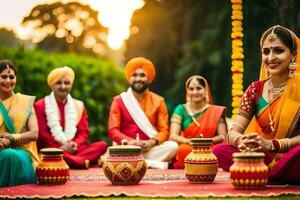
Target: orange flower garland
point(237, 55)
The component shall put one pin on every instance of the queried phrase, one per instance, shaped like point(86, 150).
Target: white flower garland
point(52, 115)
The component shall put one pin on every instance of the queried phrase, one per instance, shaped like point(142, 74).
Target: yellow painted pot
point(201, 165)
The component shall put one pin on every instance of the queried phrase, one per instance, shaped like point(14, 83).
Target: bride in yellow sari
point(270, 109)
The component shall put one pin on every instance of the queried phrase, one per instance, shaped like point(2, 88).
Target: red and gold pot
point(52, 170)
point(125, 165)
point(249, 170)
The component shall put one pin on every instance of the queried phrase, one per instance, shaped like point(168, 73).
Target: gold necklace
point(273, 92)
point(191, 113)
point(276, 89)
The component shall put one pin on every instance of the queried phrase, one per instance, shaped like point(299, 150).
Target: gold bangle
point(233, 137)
point(284, 144)
point(237, 125)
point(17, 138)
point(237, 140)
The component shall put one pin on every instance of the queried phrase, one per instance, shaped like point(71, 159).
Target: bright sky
point(113, 14)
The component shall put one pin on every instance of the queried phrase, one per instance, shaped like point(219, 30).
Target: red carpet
point(156, 183)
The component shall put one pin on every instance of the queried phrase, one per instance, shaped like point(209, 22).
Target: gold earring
point(266, 72)
point(207, 97)
point(293, 67)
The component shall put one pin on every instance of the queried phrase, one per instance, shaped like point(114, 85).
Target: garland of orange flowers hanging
point(237, 55)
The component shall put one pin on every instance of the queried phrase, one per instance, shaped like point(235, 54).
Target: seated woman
point(18, 131)
point(270, 110)
point(197, 116)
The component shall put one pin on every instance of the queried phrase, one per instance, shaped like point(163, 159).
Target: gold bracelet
point(17, 137)
point(284, 144)
point(237, 125)
point(233, 138)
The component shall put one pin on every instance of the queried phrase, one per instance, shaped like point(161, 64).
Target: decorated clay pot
point(248, 170)
point(125, 165)
point(52, 170)
point(201, 165)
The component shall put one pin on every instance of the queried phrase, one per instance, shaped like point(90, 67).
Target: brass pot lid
point(51, 151)
point(248, 155)
point(125, 149)
point(201, 141)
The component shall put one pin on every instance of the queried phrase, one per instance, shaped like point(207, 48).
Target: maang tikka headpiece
point(272, 36)
point(194, 82)
point(7, 67)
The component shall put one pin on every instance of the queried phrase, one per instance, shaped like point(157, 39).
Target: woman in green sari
point(18, 131)
point(197, 116)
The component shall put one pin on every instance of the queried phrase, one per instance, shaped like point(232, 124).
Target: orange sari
point(208, 121)
point(285, 110)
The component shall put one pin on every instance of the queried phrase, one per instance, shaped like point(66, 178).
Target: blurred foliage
point(97, 81)
point(8, 38)
point(186, 37)
point(70, 27)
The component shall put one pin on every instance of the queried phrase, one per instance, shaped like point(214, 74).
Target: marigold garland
point(237, 55)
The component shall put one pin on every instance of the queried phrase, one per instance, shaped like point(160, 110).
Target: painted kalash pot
point(201, 165)
point(52, 170)
point(125, 164)
point(249, 170)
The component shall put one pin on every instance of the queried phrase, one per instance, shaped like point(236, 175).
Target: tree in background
point(70, 27)
point(8, 38)
point(155, 36)
point(182, 38)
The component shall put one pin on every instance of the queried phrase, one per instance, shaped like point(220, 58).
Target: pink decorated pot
point(201, 165)
point(52, 170)
point(125, 165)
point(249, 170)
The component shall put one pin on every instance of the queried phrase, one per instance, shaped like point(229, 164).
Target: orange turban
point(143, 63)
point(58, 73)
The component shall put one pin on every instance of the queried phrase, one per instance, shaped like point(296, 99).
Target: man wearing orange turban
point(63, 122)
point(141, 117)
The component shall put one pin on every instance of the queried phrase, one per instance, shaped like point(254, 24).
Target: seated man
point(141, 117)
point(63, 122)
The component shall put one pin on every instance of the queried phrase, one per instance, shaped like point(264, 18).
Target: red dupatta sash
point(208, 121)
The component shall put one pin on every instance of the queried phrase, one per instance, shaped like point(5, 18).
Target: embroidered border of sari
point(264, 119)
point(19, 107)
point(208, 123)
point(6, 119)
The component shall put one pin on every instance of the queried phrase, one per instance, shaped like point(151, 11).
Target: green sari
point(17, 162)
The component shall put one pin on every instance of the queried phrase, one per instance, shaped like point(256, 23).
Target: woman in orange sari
point(197, 116)
point(269, 111)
